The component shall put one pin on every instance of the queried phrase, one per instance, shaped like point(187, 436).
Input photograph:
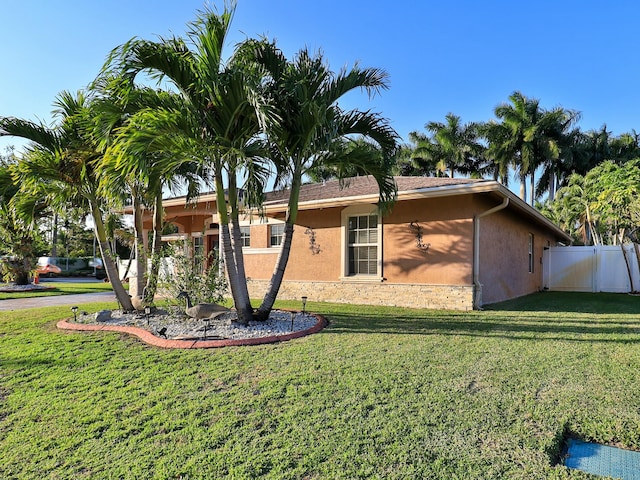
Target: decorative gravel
point(10, 287)
point(173, 324)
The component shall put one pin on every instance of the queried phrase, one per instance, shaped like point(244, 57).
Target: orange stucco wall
point(446, 224)
point(320, 263)
point(447, 227)
point(504, 256)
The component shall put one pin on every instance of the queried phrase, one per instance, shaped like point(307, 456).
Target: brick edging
point(151, 339)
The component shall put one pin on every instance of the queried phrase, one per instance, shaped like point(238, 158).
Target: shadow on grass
point(549, 315)
point(596, 303)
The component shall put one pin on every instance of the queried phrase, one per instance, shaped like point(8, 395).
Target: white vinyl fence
point(590, 269)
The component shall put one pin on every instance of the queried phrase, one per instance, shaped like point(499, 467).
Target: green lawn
point(380, 393)
point(60, 288)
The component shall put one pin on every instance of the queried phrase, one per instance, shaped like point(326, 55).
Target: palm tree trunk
point(283, 258)
point(532, 185)
point(152, 278)
point(140, 253)
point(244, 309)
point(552, 185)
point(109, 265)
point(278, 274)
point(239, 292)
point(628, 265)
point(637, 252)
point(54, 236)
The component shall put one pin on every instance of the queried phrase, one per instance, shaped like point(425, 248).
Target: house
point(446, 243)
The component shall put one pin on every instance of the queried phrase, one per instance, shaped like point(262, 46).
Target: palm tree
point(219, 125)
point(625, 147)
point(143, 175)
point(458, 142)
point(555, 126)
point(529, 142)
point(312, 130)
point(499, 153)
point(64, 160)
point(424, 156)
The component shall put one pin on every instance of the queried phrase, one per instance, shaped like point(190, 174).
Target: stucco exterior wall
point(504, 256)
point(441, 276)
point(447, 227)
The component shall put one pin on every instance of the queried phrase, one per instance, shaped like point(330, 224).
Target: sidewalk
point(37, 302)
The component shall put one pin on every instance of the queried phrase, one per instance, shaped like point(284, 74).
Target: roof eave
point(428, 192)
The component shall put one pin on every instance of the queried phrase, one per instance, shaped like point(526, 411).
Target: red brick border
point(151, 339)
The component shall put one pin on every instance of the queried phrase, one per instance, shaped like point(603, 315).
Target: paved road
point(22, 303)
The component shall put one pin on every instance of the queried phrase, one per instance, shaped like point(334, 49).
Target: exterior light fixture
point(147, 311)
point(74, 309)
point(304, 304)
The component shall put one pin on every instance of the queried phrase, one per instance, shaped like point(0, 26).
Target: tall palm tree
point(556, 127)
point(220, 123)
point(529, 143)
point(625, 147)
point(312, 130)
point(458, 142)
point(64, 159)
point(424, 156)
point(499, 152)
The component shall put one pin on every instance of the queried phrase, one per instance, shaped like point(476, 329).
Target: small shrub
point(197, 274)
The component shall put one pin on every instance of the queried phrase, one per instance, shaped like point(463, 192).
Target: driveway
point(54, 301)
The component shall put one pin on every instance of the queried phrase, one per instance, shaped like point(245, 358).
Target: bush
point(15, 270)
point(201, 276)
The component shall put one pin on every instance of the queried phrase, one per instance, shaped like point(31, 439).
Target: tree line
point(542, 147)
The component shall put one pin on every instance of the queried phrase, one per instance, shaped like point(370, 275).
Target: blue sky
point(463, 56)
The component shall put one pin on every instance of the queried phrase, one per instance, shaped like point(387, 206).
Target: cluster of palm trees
point(227, 123)
point(542, 147)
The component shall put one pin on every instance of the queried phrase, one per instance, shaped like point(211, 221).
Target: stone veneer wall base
point(437, 297)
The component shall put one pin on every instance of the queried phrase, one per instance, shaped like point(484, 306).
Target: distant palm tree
point(424, 156)
point(458, 143)
point(499, 153)
point(531, 139)
point(556, 126)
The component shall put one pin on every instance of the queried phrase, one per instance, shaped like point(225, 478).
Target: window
point(362, 245)
point(531, 253)
point(245, 236)
point(276, 232)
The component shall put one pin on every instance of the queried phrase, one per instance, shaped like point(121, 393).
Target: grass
point(60, 288)
point(380, 393)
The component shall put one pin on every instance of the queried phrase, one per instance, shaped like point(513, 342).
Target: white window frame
point(245, 234)
point(356, 211)
point(279, 235)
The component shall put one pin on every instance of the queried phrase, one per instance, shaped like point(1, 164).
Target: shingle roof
point(361, 186)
